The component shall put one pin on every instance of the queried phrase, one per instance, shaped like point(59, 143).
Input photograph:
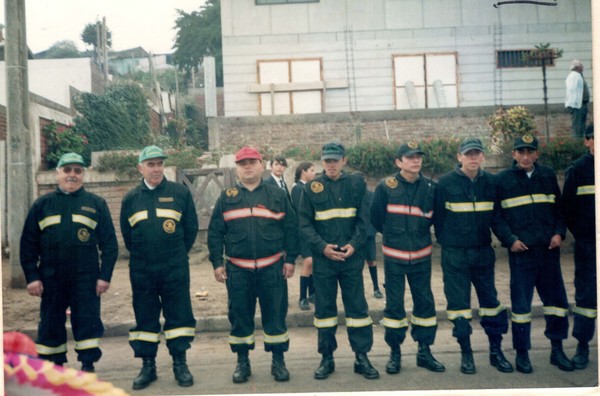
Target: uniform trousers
point(161, 285)
point(423, 320)
point(462, 267)
point(326, 276)
point(244, 287)
point(537, 267)
point(78, 293)
point(585, 311)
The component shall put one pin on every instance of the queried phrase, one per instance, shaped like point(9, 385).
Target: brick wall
point(281, 132)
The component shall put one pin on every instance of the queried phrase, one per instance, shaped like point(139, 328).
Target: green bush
point(440, 155)
point(303, 153)
point(120, 163)
point(59, 142)
point(375, 159)
point(558, 153)
point(186, 158)
point(509, 124)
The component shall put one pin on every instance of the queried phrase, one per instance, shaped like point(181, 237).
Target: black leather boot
point(242, 369)
point(497, 358)
point(558, 357)
point(88, 367)
point(426, 360)
point(467, 363)
point(146, 375)
point(181, 371)
point(278, 369)
point(393, 365)
point(326, 367)
point(581, 358)
point(522, 362)
point(363, 366)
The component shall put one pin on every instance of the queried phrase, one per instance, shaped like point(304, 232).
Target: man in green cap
point(466, 209)
point(402, 211)
point(159, 225)
point(63, 234)
point(333, 218)
point(534, 227)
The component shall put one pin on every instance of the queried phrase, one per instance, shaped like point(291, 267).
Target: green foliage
point(303, 153)
point(186, 158)
point(61, 50)
point(198, 35)
point(88, 35)
point(508, 125)
point(117, 119)
point(374, 159)
point(63, 140)
point(440, 155)
point(120, 163)
point(558, 153)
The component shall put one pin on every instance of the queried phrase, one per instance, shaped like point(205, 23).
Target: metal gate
point(206, 186)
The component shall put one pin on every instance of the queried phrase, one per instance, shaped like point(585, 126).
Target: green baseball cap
point(470, 144)
point(150, 152)
point(333, 151)
point(70, 158)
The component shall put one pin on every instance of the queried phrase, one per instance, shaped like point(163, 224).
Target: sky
point(133, 23)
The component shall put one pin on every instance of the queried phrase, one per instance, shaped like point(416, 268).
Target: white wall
point(357, 43)
point(51, 78)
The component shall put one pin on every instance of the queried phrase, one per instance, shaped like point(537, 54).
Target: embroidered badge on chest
point(169, 226)
point(391, 182)
point(316, 187)
point(232, 192)
point(83, 235)
point(166, 199)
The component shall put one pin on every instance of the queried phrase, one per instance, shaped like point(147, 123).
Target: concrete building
point(326, 56)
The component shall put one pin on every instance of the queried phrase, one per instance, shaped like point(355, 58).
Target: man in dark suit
point(278, 167)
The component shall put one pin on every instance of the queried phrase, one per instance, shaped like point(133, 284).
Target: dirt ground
point(21, 311)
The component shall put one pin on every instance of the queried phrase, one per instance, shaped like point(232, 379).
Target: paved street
point(212, 364)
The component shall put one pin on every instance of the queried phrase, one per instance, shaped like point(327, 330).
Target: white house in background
point(54, 79)
point(322, 56)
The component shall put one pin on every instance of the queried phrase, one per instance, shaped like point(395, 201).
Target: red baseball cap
point(247, 153)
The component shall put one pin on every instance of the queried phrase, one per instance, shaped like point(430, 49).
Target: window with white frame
point(425, 81)
point(294, 86)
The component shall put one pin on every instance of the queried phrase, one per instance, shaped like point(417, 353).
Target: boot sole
point(563, 368)
point(523, 370)
point(359, 371)
point(323, 376)
point(144, 385)
point(502, 369)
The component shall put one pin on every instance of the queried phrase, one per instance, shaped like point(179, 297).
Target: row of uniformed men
point(252, 224)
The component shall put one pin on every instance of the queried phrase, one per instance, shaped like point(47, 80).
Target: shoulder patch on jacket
point(232, 192)
point(391, 182)
point(316, 187)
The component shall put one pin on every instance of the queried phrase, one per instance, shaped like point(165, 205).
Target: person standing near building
point(577, 98)
point(305, 172)
point(278, 167)
point(256, 226)
point(159, 225)
point(580, 214)
point(402, 211)
point(533, 230)
point(465, 210)
point(64, 233)
point(332, 218)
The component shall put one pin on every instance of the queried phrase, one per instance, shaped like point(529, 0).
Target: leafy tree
point(116, 119)
point(88, 36)
point(199, 35)
point(61, 50)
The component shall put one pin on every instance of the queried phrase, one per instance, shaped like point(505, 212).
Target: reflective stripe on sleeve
point(49, 221)
point(409, 210)
point(137, 217)
point(527, 200)
point(586, 190)
point(168, 213)
point(336, 213)
point(85, 221)
point(459, 207)
point(252, 212)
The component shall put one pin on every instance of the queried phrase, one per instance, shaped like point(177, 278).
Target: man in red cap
point(255, 223)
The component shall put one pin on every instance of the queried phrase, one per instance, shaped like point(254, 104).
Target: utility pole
point(19, 150)
point(104, 50)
